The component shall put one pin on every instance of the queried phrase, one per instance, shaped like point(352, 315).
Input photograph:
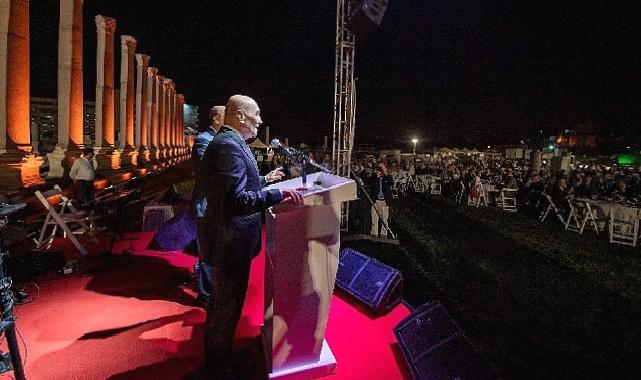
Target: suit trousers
point(381, 207)
point(205, 274)
point(224, 310)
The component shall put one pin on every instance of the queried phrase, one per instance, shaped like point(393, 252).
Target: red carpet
point(133, 317)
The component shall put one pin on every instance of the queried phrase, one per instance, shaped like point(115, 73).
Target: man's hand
point(293, 197)
point(275, 175)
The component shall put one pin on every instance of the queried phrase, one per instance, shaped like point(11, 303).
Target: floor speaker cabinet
point(366, 15)
point(436, 348)
point(378, 286)
point(176, 233)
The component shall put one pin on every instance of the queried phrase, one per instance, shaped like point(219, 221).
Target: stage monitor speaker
point(177, 233)
point(366, 15)
point(378, 286)
point(436, 348)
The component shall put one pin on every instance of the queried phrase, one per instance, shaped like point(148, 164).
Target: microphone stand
point(361, 185)
point(302, 160)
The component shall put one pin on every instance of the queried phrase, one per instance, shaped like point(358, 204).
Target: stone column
point(152, 105)
point(142, 130)
point(172, 120)
point(161, 117)
point(127, 64)
point(70, 90)
point(180, 117)
point(535, 160)
point(166, 118)
point(18, 167)
point(107, 156)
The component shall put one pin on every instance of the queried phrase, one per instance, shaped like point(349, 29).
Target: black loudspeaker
point(377, 285)
point(366, 16)
point(436, 348)
point(177, 233)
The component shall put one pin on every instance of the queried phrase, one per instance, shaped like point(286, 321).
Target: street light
point(414, 141)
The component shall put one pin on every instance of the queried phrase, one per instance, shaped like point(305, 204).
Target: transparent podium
point(303, 244)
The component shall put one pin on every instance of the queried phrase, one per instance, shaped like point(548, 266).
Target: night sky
point(449, 72)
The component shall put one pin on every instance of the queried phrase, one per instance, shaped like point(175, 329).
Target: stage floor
point(134, 317)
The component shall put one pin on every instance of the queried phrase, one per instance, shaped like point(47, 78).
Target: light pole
point(414, 141)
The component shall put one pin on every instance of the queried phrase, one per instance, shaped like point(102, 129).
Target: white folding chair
point(580, 215)
point(435, 188)
point(479, 196)
point(624, 225)
point(421, 183)
point(507, 200)
point(62, 218)
point(550, 207)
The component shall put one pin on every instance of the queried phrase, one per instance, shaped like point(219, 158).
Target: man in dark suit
point(235, 202)
point(198, 200)
point(380, 190)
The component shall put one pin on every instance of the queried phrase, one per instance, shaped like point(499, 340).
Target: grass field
point(536, 301)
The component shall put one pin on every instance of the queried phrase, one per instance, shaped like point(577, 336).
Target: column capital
point(181, 97)
point(106, 23)
point(152, 71)
point(160, 79)
point(142, 60)
point(22, 2)
point(128, 43)
point(167, 82)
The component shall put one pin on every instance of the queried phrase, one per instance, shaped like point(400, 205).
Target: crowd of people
point(458, 175)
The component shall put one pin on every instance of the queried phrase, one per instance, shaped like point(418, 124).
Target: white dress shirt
point(82, 169)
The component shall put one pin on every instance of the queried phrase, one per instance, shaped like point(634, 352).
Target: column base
point(19, 170)
point(108, 159)
point(144, 155)
point(154, 154)
point(60, 161)
point(129, 157)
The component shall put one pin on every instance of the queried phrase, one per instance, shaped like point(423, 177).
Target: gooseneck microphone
point(284, 150)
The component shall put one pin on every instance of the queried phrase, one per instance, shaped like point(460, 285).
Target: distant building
point(44, 124)
point(191, 116)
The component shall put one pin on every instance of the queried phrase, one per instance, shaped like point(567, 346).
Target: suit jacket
point(235, 201)
point(198, 200)
point(373, 186)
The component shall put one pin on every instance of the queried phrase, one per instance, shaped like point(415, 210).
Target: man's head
point(217, 117)
point(242, 114)
point(87, 153)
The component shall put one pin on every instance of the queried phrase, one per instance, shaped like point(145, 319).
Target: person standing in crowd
point(83, 173)
point(232, 223)
point(199, 202)
point(380, 190)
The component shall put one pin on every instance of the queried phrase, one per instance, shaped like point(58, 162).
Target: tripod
point(8, 321)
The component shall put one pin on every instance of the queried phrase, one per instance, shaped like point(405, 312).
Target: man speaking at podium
point(235, 202)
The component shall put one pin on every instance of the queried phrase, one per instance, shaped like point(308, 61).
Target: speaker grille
point(377, 285)
point(435, 347)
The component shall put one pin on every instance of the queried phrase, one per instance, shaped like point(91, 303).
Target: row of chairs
point(479, 195)
point(623, 223)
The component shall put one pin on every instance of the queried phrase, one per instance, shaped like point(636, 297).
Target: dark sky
point(460, 72)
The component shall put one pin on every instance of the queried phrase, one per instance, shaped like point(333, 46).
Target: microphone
point(283, 149)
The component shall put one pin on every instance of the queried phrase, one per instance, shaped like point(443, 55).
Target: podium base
point(325, 366)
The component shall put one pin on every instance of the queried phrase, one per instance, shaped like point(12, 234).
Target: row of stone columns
point(154, 133)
